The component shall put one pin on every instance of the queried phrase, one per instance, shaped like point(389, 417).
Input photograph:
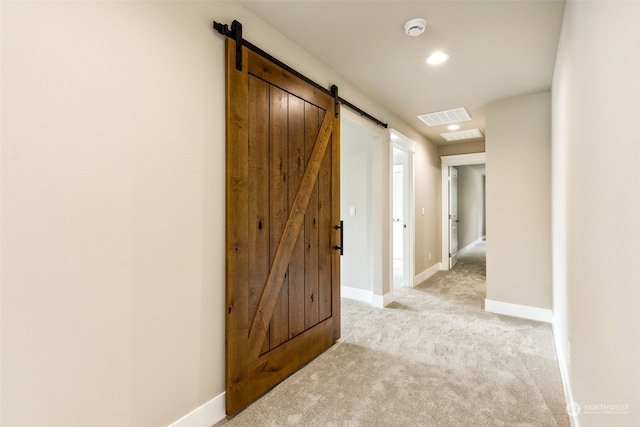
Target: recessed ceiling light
point(437, 58)
point(453, 127)
point(415, 27)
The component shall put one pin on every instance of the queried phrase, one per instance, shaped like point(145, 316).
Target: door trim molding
point(404, 143)
point(445, 162)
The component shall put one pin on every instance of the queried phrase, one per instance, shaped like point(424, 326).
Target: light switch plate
point(352, 211)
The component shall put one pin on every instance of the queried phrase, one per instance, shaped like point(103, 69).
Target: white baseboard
point(469, 246)
point(381, 301)
point(367, 296)
point(426, 274)
point(204, 416)
point(517, 310)
point(564, 374)
point(356, 294)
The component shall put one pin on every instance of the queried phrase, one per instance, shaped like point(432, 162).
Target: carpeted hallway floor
point(431, 358)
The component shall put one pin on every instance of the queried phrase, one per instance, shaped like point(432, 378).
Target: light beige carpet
point(432, 358)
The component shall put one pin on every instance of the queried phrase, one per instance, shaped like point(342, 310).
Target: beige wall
point(112, 228)
point(518, 200)
point(470, 205)
point(461, 148)
point(427, 189)
point(356, 190)
point(112, 206)
point(596, 202)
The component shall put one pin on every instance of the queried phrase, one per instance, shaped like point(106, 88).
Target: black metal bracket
point(236, 29)
point(236, 34)
point(336, 100)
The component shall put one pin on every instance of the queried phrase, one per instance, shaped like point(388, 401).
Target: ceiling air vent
point(445, 117)
point(462, 134)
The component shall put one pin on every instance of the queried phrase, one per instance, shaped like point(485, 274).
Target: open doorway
point(364, 198)
point(463, 209)
point(402, 220)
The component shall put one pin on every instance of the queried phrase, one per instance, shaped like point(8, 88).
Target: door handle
point(341, 247)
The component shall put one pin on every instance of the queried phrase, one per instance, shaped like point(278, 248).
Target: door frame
point(453, 257)
point(404, 143)
point(445, 162)
point(378, 276)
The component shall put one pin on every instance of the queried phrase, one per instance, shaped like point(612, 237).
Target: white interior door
point(401, 218)
point(453, 216)
point(398, 212)
point(398, 218)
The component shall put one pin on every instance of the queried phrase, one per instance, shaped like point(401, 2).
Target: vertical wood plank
point(279, 203)
point(237, 236)
point(311, 227)
point(258, 187)
point(325, 233)
point(297, 165)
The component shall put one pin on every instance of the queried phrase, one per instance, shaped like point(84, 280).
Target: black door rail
point(236, 33)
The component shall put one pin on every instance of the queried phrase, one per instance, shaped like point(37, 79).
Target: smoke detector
point(415, 27)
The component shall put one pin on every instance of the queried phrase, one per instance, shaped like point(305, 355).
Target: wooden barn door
point(282, 209)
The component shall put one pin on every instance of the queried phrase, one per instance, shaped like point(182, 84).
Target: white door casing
point(453, 216)
point(406, 145)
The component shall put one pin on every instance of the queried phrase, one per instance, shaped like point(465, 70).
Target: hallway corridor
point(431, 358)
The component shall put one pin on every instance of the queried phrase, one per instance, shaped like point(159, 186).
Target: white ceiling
point(498, 49)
